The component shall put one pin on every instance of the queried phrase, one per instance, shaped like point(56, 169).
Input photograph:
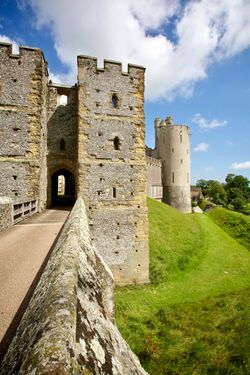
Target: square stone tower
point(23, 124)
point(112, 164)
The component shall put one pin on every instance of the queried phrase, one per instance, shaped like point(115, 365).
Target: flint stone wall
point(6, 217)
point(69, 326)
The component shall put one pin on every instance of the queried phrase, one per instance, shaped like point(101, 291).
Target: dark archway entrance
point(63, 188)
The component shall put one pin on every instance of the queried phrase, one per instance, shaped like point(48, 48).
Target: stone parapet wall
point(6, 216)
point(68, 327)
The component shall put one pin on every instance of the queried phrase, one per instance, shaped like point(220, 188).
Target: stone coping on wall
point(68, 327)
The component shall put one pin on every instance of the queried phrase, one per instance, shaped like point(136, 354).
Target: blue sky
point(196, 54)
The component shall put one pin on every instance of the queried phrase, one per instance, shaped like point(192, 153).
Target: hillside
point(235, 224)
point(193, 318)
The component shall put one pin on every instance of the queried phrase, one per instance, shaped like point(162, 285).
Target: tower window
point(187, 177)
point(172, 149)
point(114, 192)
point(181, 161)
point(116, 143)
point(115, 101)
point(181, 138)
point(62, 145)
point(173, 177)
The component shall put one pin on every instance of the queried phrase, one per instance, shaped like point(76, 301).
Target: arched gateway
point(63, 188)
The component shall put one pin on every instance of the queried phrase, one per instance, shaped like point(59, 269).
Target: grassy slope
point(234, 223)
point(193, 318)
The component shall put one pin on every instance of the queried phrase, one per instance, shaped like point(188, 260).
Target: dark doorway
point(63, 188)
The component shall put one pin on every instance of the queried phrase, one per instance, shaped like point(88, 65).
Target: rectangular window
point(114, 192)
point(187, 177)
point(173, 177)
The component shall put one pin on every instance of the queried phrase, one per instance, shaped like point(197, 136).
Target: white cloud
point(201, 147)
point(243, 165)
point(205, 124)
point(6, 39)
point(134, 31)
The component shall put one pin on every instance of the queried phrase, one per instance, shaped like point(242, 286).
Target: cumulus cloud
point(243, 165)
point(6, 39)
point(204, 31)
point(205, 124)
point(201, 147)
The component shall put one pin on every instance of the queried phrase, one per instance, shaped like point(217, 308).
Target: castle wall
point(173, 147)
point(112, 164)
point(154, 178)
point(62, 132)
point(23, 82)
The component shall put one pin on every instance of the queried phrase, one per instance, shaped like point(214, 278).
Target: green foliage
point(192, 319)
point(217, 193)
point(234, 223)
point(235, 193)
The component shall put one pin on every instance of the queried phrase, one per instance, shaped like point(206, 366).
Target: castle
point(90, 138)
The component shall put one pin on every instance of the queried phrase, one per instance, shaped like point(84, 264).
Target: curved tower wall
point(173, 147)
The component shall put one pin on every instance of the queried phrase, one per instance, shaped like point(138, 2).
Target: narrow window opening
point(16, 129)
point(116, 143)
point(173, 177)
point(181, 138)
point(187, 151)
point(62, 145)
point(14, 177)
point(114, 192)
point(187, 177)
point(172, 149)
point(114, 101)
point(181, 161)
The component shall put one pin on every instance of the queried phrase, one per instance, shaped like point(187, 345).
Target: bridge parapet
point(14, 212)
point(68, 327)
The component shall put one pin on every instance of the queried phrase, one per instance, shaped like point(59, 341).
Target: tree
point(238, 190)
point(217, 193)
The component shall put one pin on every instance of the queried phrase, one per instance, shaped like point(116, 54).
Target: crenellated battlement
point(91, 63)
point(23, 50)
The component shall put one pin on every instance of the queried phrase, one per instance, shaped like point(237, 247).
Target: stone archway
point(63, 190)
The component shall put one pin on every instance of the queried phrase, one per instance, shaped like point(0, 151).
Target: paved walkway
point(23, 249)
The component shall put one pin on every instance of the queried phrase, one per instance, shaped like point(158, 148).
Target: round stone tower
point(173, 147)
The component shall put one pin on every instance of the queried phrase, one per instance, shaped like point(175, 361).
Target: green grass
point(235, 224)
point(193, 317)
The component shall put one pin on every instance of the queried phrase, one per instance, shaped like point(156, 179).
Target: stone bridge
point(68, 326)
